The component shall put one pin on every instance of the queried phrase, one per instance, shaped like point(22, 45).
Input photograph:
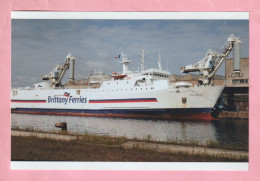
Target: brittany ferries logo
point(66, 94)
point(67, 99)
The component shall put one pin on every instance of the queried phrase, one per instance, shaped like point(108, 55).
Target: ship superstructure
point(144, 94)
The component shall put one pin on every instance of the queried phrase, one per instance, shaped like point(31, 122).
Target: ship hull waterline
point(159, 114)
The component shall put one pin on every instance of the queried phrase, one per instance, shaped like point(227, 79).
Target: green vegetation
point(110, 140)
point(101, 148)
point(96, 139)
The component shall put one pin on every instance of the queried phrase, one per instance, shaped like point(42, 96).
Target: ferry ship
point(146, 94)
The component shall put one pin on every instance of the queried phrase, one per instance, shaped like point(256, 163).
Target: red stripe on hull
point(29, 101)
point(189, 116)
point(123, 101)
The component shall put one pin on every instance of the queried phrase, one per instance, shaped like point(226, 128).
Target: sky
point(39, 45)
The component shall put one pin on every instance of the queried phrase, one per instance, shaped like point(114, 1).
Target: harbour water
point(225, 132)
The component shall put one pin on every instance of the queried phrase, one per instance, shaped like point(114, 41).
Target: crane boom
point(213, 60)
point(59, 71)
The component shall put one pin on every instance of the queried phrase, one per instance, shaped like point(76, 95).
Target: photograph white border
point(131, 15)
point(167, 166)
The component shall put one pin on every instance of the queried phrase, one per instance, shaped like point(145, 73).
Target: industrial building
point(236, 90)
point(237, 87)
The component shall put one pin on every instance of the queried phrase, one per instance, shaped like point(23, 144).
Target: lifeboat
point(118, 76)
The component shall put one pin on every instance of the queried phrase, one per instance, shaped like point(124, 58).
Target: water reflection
point(224, 131)
point(231, 132)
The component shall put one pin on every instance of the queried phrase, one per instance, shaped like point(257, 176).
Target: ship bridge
point(156, 74)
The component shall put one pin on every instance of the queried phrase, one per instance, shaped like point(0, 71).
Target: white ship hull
point(144, 94)
point(159, 101)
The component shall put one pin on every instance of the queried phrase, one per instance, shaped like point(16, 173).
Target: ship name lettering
point(77, 99)
point(57, 100)
point(66, 100)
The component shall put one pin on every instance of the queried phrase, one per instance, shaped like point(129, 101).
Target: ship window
point(14, 93)
point(78, 92)
point(239, 81)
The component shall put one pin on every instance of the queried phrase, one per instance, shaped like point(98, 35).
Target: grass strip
point(100, 149)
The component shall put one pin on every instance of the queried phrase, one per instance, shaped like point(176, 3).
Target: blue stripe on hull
point(119, 111)
point(176, 114)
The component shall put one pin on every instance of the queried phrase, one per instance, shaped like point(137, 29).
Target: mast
point(125, 63)
point(159, 61)
point(142, 60)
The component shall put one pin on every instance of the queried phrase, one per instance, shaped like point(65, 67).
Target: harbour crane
point(59, 71)
point(213, 60)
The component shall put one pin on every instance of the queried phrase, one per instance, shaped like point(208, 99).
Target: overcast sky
point(38, 45)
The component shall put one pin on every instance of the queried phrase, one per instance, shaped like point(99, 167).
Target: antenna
point(167, 64)
point(142, 60)
point(159, 61)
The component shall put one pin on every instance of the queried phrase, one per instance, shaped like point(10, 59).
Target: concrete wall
point(237, 81)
